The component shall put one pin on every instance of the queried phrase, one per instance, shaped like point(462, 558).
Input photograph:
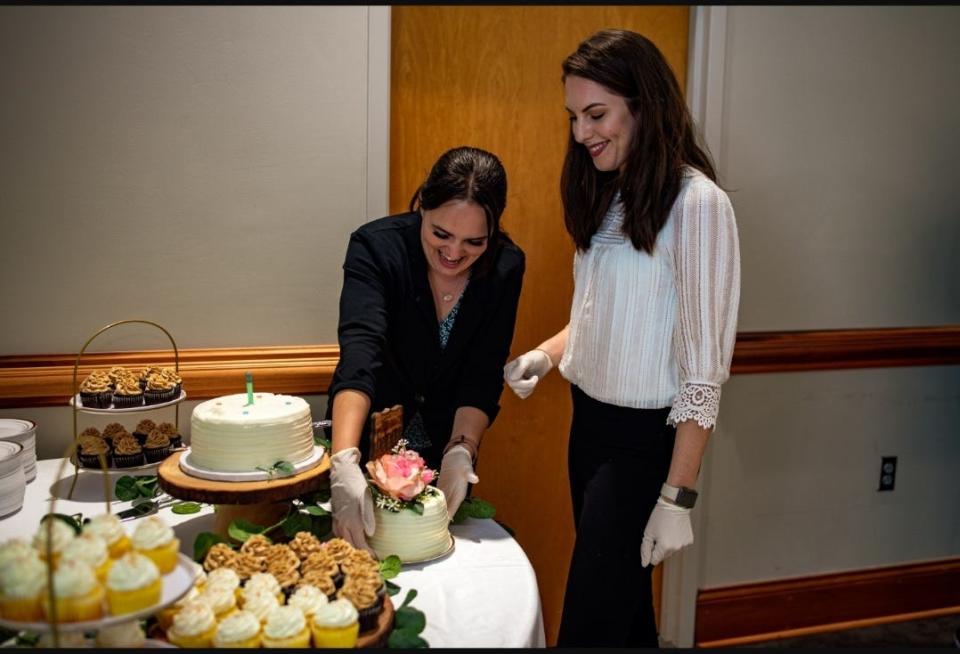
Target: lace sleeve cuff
point(700, 402)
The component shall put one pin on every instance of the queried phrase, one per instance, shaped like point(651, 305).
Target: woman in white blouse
point(651, 332)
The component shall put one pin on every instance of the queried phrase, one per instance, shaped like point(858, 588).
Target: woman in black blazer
point(427, 313)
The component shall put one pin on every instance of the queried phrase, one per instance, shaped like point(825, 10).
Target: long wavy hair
point(473, 175)
point(663, 141)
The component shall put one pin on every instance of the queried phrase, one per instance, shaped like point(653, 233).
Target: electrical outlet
point(888, 473)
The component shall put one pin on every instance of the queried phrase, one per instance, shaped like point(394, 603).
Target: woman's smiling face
point(454, 235)
point(600, 121)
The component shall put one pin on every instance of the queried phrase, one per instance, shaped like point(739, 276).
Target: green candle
point(249, 377)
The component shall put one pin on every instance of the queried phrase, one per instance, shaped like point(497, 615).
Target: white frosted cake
point(412, 536)
point(229, 435)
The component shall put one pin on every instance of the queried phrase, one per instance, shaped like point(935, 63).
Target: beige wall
point(196, 166)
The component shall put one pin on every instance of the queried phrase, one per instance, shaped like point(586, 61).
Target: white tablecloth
point(484, 594)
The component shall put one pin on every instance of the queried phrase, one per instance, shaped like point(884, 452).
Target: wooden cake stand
point(261, 502)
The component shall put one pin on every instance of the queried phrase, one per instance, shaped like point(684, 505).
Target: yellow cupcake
point(22, 585)
point(194, 625)
point(238, 630)
point(133, 583)
point(107, 526)
point(221, 599)
point(78, 596)
point(286, 627)
point(260, 603)
point(59, 533)
point(261, 581)
point(335, 625)
point(155, 539)
point(91, 549)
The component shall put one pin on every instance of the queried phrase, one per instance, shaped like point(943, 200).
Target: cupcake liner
point(99, 400)
point(154, 454)
point(92, 460)
point(127, 460)
point(157, 396)
point(124, 401)
point(368, 617)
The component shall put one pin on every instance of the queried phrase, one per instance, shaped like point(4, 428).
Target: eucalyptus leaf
point(241, 530)
point(183, 508)
point(409, 619)
point(284, 467)
point(390, 566)
point(316, 510)
point(321, 441)
point(402, 639)
point(203, 542)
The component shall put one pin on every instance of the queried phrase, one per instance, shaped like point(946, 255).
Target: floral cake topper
point(400, 478)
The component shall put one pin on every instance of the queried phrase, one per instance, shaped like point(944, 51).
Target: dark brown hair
point(474, 175)
point(663, 141)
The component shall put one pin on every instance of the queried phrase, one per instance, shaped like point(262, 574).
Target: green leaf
point(241, 530)
point(321, 526)
point(462, 514)
point(27, 639)
point(402, 639)
point(410, 619)
point(147, 485)
point(323, 442)
point(126, 488)
point(284, 467)
point(392, 588)
point(409, 598)
point(390, 566)
point(316, 510)
point(203, 542)
point(478, 508)
point(183, 508)
point(295, 522)
point(416, 507)
point(75, 523)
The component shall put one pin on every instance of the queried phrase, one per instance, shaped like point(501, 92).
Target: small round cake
point(227, 434)
point(411, 536)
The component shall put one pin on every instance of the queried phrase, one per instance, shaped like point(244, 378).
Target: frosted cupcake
point(155, 539)
point(22, 585)
point(262, 581)
point(133, 583)
point(335, 625)
point(222, 600)
point(239, 630)
point(168, 428)
point(78, 597)
point(14, 549)
point(125, 635)
point(107, 526)
point(143, 429)
point(96, 392)
point(194, 625)
point(308, 599)
point(60, 534)
point(158, 390)
point(157, 446)
point(260, 603)
point(127, 394)
point(127, 452)
point(286, 627)
point(92, 550)
point(223, 577)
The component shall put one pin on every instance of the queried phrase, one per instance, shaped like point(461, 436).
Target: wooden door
point(489, 76)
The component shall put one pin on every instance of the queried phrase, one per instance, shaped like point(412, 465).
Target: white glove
point(523, 373)
point(668, 530)
point(456, 471)
point(351, 499)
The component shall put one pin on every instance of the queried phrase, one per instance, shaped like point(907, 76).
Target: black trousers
point(618, 458)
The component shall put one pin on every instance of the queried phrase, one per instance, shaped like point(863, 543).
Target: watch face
point(686, 497)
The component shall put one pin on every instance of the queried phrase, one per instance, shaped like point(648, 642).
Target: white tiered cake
point(411, 536)
point(227, 434)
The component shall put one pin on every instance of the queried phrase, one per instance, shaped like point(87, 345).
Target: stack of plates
point(24, 432)
point(12, 482)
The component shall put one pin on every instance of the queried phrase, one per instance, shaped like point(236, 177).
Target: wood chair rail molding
point(46, 379)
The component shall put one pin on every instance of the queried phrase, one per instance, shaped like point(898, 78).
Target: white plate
point(112, 469)
point(176, 584)
point(254, 475)
point(11, 457)
point(75, 401)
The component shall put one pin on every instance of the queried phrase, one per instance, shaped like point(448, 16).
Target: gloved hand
point(456, 471)
point(351, 499)
point(523, 373)
point(668, 530)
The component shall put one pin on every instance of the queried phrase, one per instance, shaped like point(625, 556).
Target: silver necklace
point(447, 297)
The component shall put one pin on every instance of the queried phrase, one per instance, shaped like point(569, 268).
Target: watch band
point(679, 495)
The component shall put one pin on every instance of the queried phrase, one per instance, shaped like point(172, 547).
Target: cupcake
point(168, 428)
point(143, 429)
point(304, 544)
point(262, 581)
point(90, 450)
point(92, 550)
point(22, 586)
point(156, 447)
point(127, 394)
point(239, 630)
point(260, 603)
point(362, 593)
point(127, 452)
point(223, 578)
point(308, 599)
point(146, 373)
point(335, 625)
point(95, 392)
point(115, 373)
point(158, 390)
point(194, 625)
point(126, 635)
point(77, 595)
point(338, 549)
point(173, 376)
point(286, 627)
point(59, 534)
point(155, 539)
point(89, 431)
point(107, 526)
point(13, 549)
point(322, 581)
point(220, 599)
point(321, 563)
point(112, 431)
point(133, 584)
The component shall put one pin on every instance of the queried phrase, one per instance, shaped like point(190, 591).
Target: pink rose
point(397, 476)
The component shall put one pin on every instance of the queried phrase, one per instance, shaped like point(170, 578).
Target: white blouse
point(651, 331)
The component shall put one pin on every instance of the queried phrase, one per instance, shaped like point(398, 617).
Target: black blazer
point(389, 334)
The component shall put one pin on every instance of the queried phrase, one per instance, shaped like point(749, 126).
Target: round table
point(484, 594)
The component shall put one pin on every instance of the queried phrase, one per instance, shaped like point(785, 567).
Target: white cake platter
point(75, 401)
point(176, 584)
point(193, 470)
